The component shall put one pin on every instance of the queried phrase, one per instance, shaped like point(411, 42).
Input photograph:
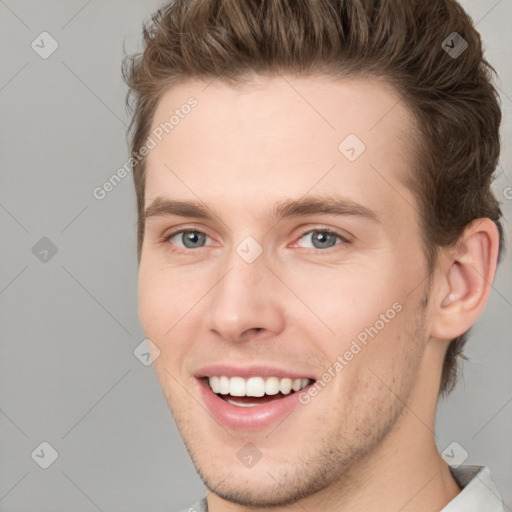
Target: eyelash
point(327, 231)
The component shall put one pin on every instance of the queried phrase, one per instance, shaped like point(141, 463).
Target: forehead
point(281, 137)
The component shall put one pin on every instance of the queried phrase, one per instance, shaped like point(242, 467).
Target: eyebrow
point(327, 205)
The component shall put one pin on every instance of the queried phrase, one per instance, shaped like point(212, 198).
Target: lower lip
point(258, 417)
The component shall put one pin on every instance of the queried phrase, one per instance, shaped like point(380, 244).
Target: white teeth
point(255, 386)
point(237, 386)
point(214, 384)
point(224, 385)
point(285, 386)
point(239, 404)
point(297, 384)
point(272, 386)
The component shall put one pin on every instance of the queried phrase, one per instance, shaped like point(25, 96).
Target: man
point(316, 236)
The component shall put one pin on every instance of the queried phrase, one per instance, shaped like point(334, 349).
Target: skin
point(366, 441)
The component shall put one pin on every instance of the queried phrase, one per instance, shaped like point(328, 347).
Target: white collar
point(479, 493)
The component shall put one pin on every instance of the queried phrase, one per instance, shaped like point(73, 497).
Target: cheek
point(374, 385)
point(149, 301)
point(158, 290)
point(168, 312)
point(351, 302)
point(158, 301)
point(373, 321)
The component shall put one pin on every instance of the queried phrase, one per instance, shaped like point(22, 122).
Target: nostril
point(252, 330)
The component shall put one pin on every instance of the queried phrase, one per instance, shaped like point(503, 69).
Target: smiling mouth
point(254, 391)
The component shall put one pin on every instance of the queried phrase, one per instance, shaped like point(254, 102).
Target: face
point(282, 280)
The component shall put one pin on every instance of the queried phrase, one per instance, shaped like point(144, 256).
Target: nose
point(247, 301)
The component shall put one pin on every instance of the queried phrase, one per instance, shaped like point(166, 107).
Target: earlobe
point(466, 280)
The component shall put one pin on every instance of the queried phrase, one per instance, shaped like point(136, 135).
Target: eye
point(187, 239)
point(322, 238)
point(194, 239)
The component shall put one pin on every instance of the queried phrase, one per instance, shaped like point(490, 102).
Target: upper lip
point(227, 370)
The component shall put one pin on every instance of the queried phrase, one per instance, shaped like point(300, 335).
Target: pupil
point(191, 237)
point(323, 239)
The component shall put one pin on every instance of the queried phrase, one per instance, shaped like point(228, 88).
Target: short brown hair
point(403, 42)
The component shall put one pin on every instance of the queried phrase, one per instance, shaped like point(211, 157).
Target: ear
point(465, 280)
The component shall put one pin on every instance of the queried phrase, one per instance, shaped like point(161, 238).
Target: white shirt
point(479, 493)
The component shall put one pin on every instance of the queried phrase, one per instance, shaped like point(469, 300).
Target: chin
point(267, 488)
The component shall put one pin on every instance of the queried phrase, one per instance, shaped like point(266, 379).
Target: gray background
point(69, 324)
